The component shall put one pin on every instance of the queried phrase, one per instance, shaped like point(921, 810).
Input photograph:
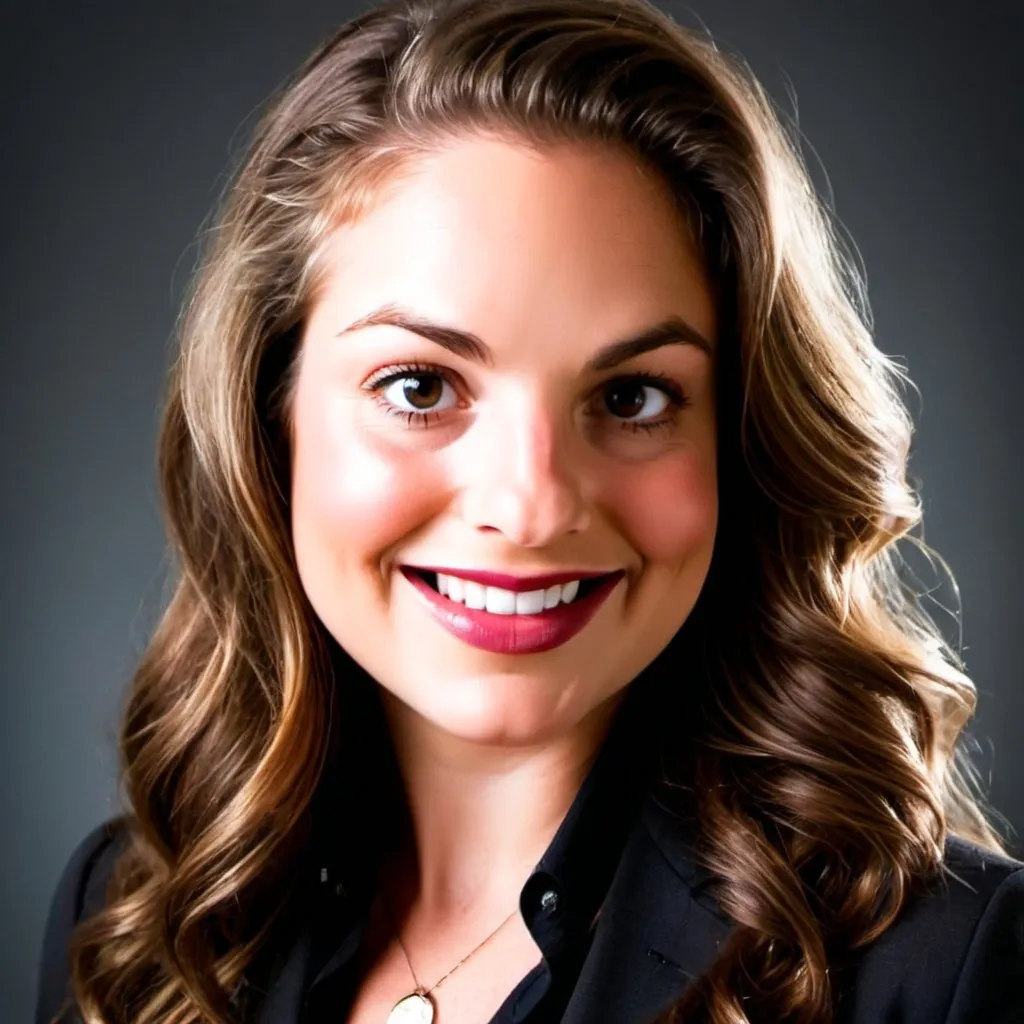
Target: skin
point(547, 257)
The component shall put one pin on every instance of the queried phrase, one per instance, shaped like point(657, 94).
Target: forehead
point(516, 242)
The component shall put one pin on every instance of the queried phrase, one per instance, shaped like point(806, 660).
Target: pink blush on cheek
point(355, 496)
point(669, 509)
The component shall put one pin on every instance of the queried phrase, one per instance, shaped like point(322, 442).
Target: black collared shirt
point(559, 902)
point(955, 956)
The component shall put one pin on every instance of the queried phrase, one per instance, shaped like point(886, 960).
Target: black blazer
point(955, 956)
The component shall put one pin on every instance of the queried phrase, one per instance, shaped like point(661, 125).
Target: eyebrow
point(673, 330)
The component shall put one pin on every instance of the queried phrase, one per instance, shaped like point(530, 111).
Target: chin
point(498, 710)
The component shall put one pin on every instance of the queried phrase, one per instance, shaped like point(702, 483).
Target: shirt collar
point(562, 898)
point(353, 815)
point(560, 901)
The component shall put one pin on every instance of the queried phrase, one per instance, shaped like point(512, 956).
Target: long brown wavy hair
point(827, 766)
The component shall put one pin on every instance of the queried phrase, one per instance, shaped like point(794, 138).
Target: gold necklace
point(418, 1007)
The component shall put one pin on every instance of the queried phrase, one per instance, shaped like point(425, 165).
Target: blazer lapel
point(286, 989)
point(658, 930)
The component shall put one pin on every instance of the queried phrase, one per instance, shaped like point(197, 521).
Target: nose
point(522, 482)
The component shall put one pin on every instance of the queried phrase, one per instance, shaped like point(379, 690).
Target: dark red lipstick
point(518, 584)
point(514, 634)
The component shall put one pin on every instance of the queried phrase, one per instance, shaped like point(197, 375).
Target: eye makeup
point(383, 379)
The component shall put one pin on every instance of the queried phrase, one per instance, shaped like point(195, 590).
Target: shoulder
point(956, 953)
point(80, 892)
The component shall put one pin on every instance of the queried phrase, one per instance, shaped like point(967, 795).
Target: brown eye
point(627, 398)
point(415, 392)
point(422, 391)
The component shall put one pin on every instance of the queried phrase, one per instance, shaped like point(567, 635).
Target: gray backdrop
point(119, 122)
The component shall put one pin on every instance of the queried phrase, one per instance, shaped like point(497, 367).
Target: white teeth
point(475, 596)
point(530, 603)
point(498, 601)
point(501, 602)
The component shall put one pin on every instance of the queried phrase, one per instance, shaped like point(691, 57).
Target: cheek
point(669, 508)
point(352, 492)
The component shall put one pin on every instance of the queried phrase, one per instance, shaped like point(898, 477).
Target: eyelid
point(653, 379)
point(387, 375)
point(396, 371)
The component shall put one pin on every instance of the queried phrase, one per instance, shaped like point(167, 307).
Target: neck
point(481, 816)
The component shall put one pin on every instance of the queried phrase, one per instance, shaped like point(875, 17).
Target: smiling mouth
point(504, 622)
point(474, 595)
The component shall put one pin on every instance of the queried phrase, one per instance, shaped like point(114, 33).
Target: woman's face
point(537, 446)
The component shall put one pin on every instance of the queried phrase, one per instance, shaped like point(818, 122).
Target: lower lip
point(514, 634)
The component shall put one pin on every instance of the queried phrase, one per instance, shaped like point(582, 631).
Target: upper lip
point(517, 584)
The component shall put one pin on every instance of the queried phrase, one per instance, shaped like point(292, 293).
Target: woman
point(539, 651)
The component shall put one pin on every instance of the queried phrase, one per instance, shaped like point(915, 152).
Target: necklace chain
point(437, 984)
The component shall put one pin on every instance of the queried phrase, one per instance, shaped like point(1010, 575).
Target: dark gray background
point(119, 124)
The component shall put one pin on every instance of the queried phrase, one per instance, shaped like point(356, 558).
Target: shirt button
point(549, 901)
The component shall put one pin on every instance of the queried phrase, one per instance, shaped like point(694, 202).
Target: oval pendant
point(417, 1008)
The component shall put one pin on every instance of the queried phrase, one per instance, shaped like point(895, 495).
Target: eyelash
point(389, 375)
